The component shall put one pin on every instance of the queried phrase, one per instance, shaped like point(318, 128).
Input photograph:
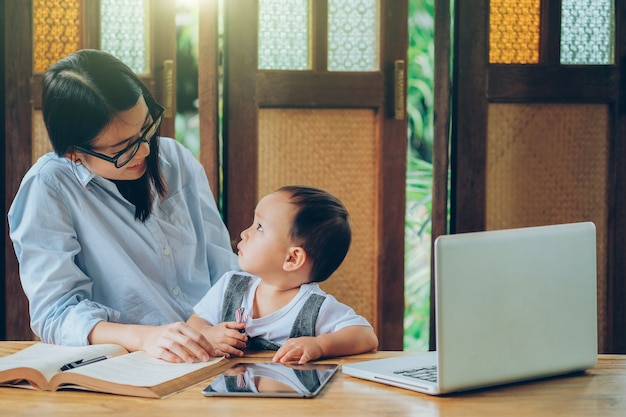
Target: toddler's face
point(265, 244)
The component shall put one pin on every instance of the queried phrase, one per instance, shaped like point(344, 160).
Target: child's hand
point(302, 349)
point(226, 338)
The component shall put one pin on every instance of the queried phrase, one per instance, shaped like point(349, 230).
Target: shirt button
point(175, 292)
point(166, 252)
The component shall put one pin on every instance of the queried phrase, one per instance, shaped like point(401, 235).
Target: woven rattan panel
point(40, 142)
point(333, 150)
point(547, 164)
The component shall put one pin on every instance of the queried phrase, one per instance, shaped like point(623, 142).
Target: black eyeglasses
point(125, 156)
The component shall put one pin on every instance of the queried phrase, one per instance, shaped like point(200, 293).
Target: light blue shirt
point(84, 258)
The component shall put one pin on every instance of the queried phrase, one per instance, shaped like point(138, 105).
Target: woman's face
point(124, 129)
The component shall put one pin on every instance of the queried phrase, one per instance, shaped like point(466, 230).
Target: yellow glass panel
point(56, 31)
point(514, 31)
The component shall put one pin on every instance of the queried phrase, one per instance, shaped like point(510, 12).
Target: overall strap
point(233, 296)
point(304, 325)
point(258, 343)
point(309, 378)
point(233, 385)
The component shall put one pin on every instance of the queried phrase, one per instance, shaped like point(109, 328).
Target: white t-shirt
point(276, 327)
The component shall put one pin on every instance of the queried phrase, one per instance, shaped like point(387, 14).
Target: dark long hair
point(82, 93)
point(321, 226)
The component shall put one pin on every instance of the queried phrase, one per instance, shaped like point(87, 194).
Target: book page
point(48, 359)
point(139, 369)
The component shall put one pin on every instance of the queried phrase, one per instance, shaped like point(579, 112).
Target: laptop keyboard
point(428, 373)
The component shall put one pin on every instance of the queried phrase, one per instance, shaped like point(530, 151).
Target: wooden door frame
point(18, 131)
point(441, 145)
point(617, 257)
point(208, 93)
point(3, 244)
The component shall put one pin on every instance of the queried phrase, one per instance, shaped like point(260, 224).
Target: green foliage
point(420, 94)
point(186, 122)
point(417, 254)
point(420, 80)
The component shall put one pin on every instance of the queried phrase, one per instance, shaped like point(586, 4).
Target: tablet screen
point(271, 380)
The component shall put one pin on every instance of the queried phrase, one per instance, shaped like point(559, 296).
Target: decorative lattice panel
point(283, 35)
point(514, 31)
point(587, 32)
point(124, 32)
point(353, 35)
point(56, 31)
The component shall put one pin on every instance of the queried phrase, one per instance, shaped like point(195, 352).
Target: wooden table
point(599, 392)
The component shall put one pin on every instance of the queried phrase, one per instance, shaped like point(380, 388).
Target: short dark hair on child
point(321, 227)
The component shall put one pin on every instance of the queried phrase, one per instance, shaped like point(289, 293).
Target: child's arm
point(347, 341)
point(225, 337)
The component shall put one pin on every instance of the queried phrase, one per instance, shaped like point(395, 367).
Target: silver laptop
point(511, 305)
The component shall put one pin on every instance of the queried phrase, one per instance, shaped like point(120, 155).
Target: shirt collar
point(83, 175)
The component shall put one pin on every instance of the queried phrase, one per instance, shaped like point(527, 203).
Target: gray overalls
point(304, 325)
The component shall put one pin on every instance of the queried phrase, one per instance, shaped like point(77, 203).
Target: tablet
point(271, 380)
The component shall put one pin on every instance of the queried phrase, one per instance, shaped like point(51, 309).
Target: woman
point(116, 232)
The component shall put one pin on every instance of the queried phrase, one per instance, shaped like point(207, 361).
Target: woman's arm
point(46, 245)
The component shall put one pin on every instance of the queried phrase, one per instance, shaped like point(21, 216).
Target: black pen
point(82, 362)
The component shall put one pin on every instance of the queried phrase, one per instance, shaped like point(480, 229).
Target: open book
point(111, 370)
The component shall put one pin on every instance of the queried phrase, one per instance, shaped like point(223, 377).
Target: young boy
point(299, 237)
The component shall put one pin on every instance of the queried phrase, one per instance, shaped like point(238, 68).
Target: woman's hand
point(178, 342)
point(175, 342)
